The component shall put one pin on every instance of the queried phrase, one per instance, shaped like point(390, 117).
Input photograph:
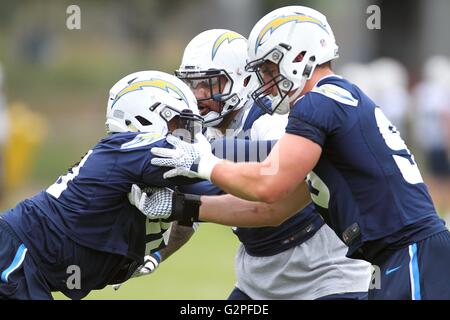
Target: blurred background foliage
point(56, 83)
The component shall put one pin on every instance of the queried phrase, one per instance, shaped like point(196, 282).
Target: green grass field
point(202, 269)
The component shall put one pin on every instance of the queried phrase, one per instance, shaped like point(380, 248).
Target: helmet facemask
point(183, 123)
point(284, 86)
point(219, 91)
point(264, 91)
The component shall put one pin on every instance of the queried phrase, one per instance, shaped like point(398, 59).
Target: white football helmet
point(214, 53)
point(295, 38)
point(146, 101)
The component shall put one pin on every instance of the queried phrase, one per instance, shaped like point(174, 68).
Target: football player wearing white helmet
point(129, 108)
point(303, 40)
point(362, 177)
point(85, 218)
point(213, 66)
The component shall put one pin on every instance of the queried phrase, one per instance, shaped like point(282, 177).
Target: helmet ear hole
point(247, 80)
point(299, 57)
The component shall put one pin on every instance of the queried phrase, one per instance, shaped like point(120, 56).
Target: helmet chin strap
point(212, 115)
point(285, 105)
point(297, 92)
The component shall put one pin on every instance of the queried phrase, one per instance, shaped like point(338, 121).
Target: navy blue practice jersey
point(366, 184)
point(272, 240)
point(89, 204)
point(265, 241)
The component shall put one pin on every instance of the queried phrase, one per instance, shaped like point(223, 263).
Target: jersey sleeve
point(201, 188)
point(312, 117)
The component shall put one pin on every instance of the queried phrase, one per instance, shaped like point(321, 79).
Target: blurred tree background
point(58, 80)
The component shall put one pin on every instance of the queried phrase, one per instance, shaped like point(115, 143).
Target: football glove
point(192, 160)
point(164, 203)
point(151, 263)
point(155, 203)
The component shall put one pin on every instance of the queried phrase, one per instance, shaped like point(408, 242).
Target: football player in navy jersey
point(82, 233)
point(272, 262)
point(361, 175)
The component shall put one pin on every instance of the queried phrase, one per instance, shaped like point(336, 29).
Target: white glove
point(155, 203)
point(151, 263)
point(192, 160)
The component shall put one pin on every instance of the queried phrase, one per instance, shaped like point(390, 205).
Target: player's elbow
point(268, 194)
point(268, 198)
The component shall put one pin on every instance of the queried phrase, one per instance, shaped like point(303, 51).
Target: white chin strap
point(210, 116)
point(297, 92)
point(285, 105)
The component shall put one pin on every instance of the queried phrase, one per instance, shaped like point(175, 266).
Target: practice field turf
point(202, 269)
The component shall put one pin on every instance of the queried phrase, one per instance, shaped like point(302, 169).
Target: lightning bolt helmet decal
point(229, 35)
point(279, 21)
point(155, 83)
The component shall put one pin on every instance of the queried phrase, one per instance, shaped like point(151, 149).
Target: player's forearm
point(243, 180)
point(264, 181)
point(232, 211)
point(179, 236)
point(269, 181)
